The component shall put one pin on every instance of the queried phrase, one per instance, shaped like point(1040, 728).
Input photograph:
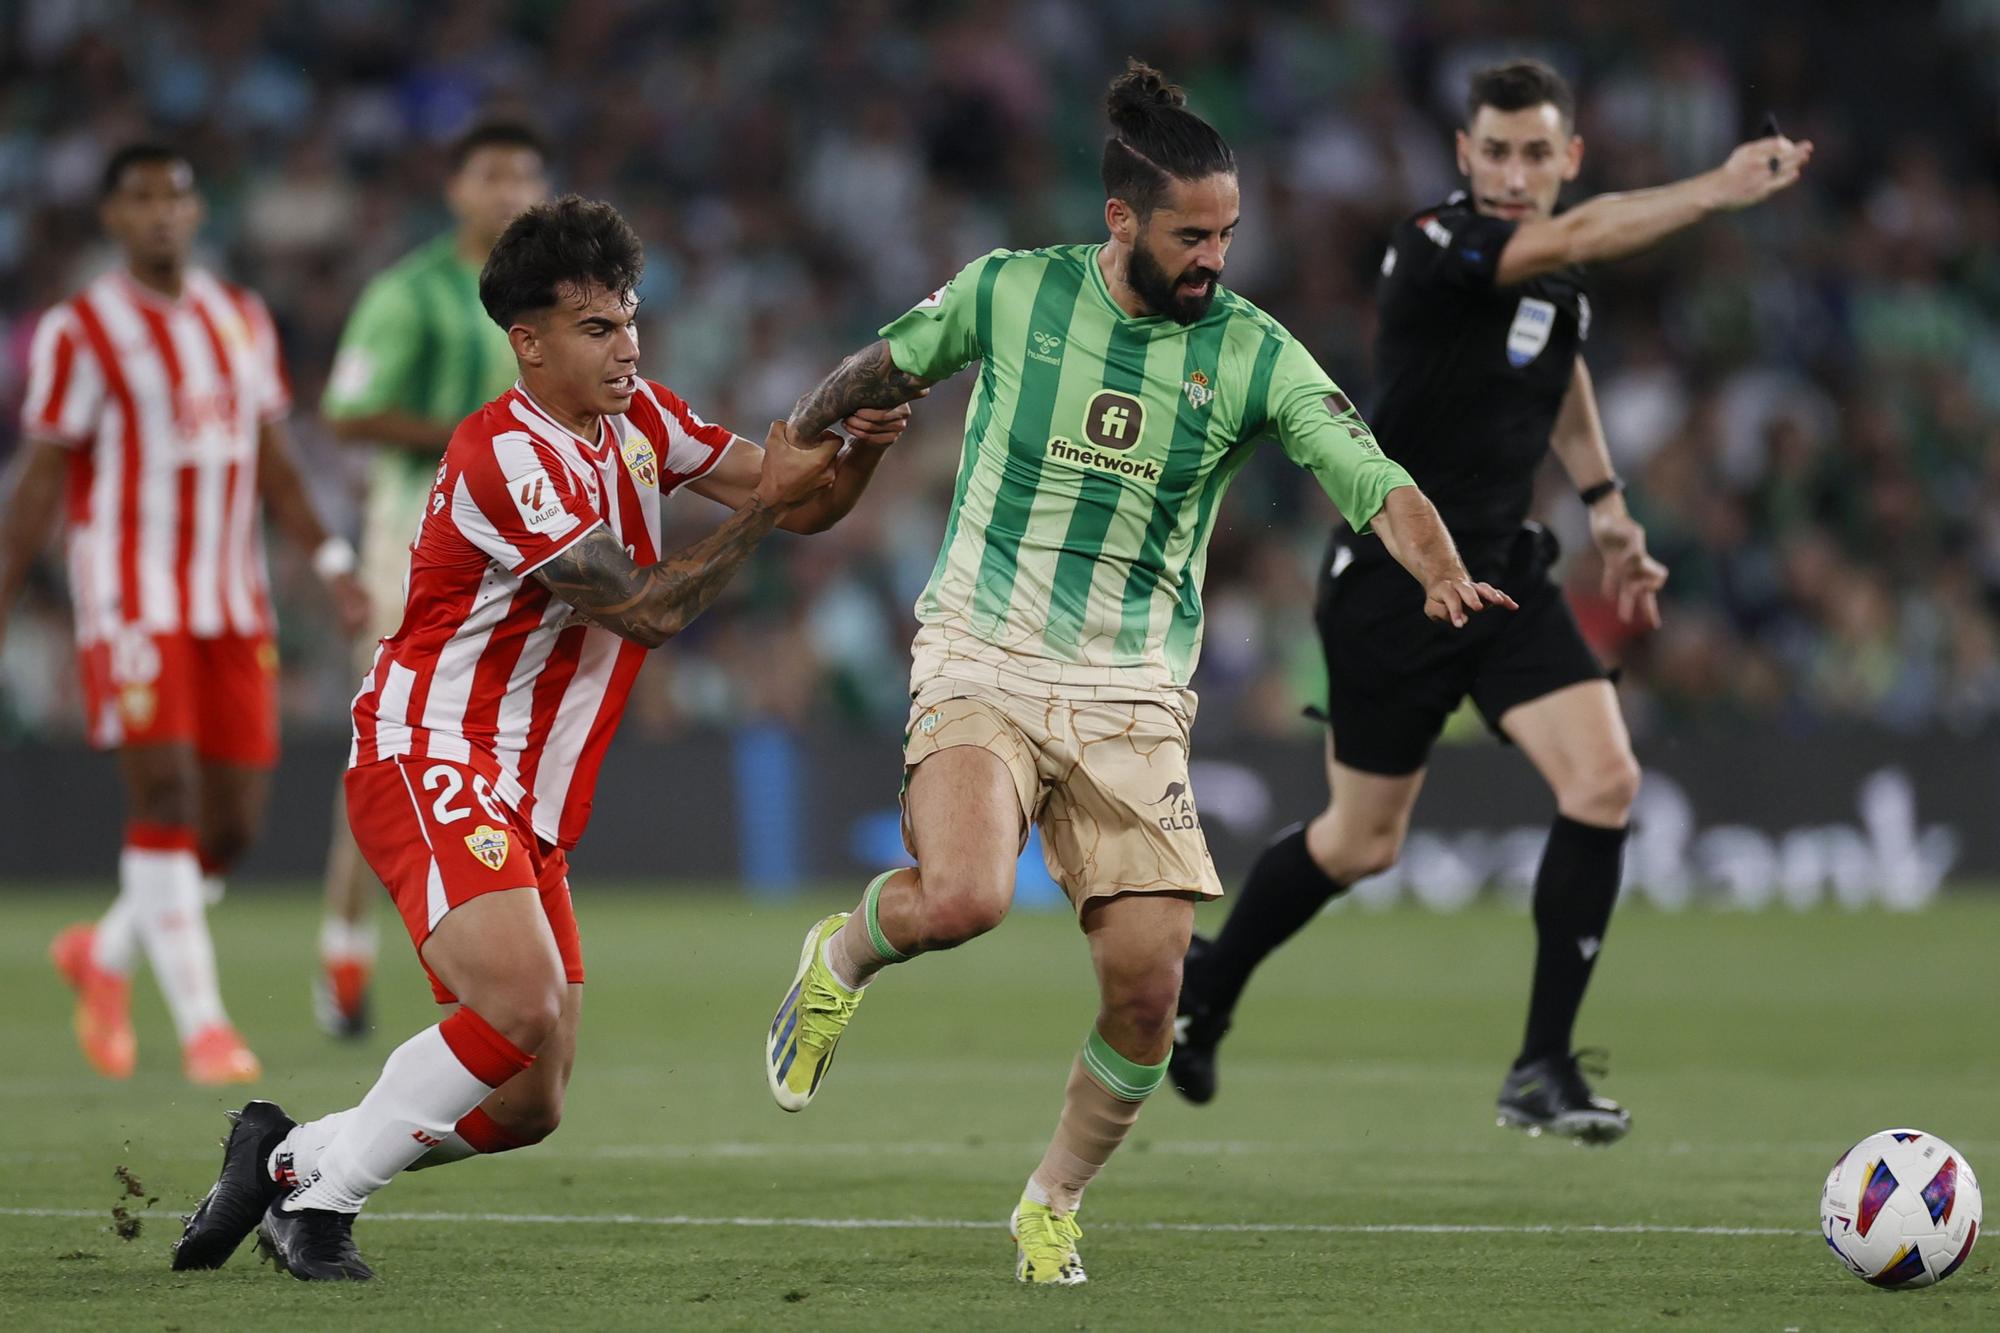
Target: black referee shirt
point(1470, 376)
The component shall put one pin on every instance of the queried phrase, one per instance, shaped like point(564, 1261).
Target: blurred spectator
point(1806, 399)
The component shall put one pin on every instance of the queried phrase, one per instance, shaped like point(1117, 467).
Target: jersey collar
point(595, 452)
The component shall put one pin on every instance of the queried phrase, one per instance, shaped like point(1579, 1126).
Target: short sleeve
point(689, 446)
point(272, 386)
point(65, 382)
point(1320, 430)
point(515, 500)
point(1449, 248)
point(939, 336)
point(378, 351)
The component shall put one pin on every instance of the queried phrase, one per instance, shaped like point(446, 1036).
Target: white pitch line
point(968, 1224)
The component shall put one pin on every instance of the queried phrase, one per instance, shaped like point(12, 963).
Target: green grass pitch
point(1349, 1175)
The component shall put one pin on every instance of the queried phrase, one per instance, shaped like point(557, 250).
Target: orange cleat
point(217, 1055)
point(340, 996)
point(103, 1003)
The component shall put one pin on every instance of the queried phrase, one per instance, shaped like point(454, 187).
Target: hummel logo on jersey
point(1197, 389)
point(1045, 345)
point(1048, 342)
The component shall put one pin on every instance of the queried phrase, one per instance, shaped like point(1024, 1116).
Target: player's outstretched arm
point(650, 604)
point(1411, 530)
point(870, 432)
point(1612, 226)
point(868, 378)
point(33, 505)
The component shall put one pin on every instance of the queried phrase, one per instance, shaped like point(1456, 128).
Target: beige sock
point(1093, 1124)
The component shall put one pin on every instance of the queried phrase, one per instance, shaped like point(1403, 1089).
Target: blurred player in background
point(1483, 319)
point(157, 395)
point(536, 586)
point(417, 357)
point(1121, 388)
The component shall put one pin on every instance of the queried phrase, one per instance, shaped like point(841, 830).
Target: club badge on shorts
point(1534, 320)
point(489, 844)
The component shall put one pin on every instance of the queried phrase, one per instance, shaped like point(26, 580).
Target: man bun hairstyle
point(1516, 85)
point(1155, 137)
point(556, 251)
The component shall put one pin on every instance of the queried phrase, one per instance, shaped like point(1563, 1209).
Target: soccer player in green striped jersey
point(1120, 388)
point(418, 356)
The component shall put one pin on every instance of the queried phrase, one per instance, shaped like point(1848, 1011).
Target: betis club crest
point(1197, 389)
point(489, 844)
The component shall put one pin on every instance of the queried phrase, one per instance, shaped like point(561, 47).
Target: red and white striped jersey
point(159, 402)
point(488, 668)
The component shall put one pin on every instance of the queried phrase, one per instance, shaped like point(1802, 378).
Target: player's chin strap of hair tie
point(1610, 486)
point(334, 557)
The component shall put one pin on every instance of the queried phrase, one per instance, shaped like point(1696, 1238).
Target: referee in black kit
point(1483, 318)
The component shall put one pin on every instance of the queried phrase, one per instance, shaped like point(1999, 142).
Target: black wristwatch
point(1592, 494)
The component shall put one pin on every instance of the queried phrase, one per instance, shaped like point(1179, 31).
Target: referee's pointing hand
point(1454, 599)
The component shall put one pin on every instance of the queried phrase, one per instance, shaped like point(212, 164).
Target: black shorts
point(1394, 675)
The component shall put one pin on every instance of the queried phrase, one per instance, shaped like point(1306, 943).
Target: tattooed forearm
point(650, 604)
point(868, 378)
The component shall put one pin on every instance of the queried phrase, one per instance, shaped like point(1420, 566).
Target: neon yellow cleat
point(798, 1050)
point(1045, 1246)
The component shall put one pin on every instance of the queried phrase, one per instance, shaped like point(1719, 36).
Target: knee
point(535, 1122)
point(1142, 1009)
point(526, 1014)
point(166, 796)
point(1603, 792)
point(223, 844)
point(1348, 856)
point(958, 908)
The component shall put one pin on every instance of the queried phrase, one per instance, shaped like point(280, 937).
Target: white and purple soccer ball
point(1901, 1209)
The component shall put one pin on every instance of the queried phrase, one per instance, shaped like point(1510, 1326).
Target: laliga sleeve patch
point(535, 496)
point(933, 301)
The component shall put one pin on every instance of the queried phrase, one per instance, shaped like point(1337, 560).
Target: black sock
point(1575, 890)
point(1284, 890)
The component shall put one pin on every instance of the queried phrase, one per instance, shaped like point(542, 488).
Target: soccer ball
point(1901, 1209)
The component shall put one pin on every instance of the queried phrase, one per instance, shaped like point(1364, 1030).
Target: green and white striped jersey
point(1097, 446)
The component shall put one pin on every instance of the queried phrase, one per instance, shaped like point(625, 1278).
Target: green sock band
point(1127, 1080)
point(870, 915)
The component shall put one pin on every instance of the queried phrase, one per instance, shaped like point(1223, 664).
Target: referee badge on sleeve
point(1534, 320)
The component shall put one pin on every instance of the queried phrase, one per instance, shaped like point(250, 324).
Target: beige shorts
point(1106, 782)
point(388, 526)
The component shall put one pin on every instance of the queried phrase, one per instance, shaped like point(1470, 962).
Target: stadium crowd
point(1806, 399)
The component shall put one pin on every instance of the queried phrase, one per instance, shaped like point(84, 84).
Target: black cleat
point(313, 1244)
point(1550, 1096)
point(240, 1194)
point(1197, 1030)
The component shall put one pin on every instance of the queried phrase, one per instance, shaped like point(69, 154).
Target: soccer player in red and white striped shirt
point(157, 397)
point(536, 585)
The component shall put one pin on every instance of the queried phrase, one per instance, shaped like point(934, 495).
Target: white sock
point(341, 938)
point(423, 1092)
point(212, 889)
point(298, 1156)
point(164, 888)
point(115, 944)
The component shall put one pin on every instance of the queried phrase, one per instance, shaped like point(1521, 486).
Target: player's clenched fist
point(1455, 599)
point(794, 473)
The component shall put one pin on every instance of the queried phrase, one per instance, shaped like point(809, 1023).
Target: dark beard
point(1152, 285)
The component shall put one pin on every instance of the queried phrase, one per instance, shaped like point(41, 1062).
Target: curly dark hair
point(1153, 137)
point(572, 243)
